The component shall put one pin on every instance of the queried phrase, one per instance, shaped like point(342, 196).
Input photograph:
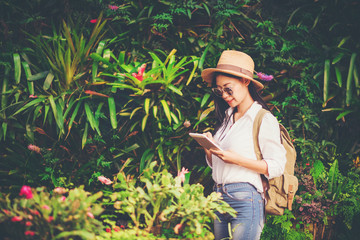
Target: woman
point(236, 171)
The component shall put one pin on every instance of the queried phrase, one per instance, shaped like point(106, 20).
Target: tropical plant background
point(93, 88)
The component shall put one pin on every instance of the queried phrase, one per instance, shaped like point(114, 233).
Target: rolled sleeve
point(273, 152)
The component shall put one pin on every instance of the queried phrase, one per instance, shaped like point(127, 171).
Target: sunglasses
point(219, 92)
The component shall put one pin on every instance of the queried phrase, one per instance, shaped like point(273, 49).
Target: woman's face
point(239, 88)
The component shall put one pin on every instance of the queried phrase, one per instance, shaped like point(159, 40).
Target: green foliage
point(282, 228)
point(60, 215)
point(158, 202)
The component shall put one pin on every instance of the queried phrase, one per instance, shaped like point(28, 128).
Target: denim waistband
point(230, 186)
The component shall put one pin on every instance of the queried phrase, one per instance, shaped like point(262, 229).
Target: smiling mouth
point(230, 101)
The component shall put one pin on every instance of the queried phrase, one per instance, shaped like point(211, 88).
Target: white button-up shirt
point(238, 137)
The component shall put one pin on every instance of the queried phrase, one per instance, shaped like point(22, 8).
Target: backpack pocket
point(280, 194)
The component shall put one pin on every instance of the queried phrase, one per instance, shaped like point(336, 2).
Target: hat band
point(235, 69)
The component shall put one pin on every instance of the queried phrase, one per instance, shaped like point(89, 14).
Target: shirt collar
point(251, 112)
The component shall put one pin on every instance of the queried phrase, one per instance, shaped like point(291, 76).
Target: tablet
point(204, 141)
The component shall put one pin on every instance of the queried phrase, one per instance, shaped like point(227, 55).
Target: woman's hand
point(207, 152)
point(228, 156)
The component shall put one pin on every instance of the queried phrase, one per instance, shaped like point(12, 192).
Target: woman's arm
point(232, 157)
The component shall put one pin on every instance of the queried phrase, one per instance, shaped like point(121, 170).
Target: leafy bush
point(64, 214)
point(158, 203)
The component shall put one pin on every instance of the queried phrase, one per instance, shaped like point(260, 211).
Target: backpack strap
point(256, 129)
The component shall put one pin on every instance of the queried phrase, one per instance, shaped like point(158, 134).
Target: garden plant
point(98, 97)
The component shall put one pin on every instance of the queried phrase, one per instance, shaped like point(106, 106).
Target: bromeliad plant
point(63, 214)
point(156, 99)
point(163, 205)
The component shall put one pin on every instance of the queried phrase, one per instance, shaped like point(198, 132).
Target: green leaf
point(349, 80)
point(31, 103)
point(38, 76)
point(326, 80)
point(338, 76)
point(48, 81)
point(74, 115)
point(204, 99)
point(17, 67)
point(57, 113)
point(144, 121)
point(203, 56)
point(147, 105)
point(90, 116)
point(112, 112)
point(343, 114)
point(80, 233)
point(146, 158)
point(28, 75)
point(166, 110)
point(84, 137)
point(4, 96)
point(175, 89)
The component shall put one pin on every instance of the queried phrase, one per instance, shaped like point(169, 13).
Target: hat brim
point(208, 76)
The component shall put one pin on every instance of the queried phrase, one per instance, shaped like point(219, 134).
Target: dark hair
point(221, 105)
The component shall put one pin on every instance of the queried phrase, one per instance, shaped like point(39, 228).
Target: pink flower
point(265, 77)
point(50, 218)
point(113, 7)
point(59, 190)
point(46, 207)
point(32, 96)
point(16, 219)
point(26, 191)
point(93, 20)
point(140, 75)
point(28, 224)
point(105, 180)
point(181, 174)
point(7, 212)
point(34, 148)
point(63, 198)
point(177, 228)
point(90, 215)
point(108, 230)
point(35, 212)
point(187, 124)
point(30, 233)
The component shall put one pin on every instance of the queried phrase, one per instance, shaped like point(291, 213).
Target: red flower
point(26, 191)
point(50, 218)
point(117, 228)
point(34, 148)
point(113, 7)
point(35, 212)
point(104, 180)
point(177, 228)
point(93, 20)
point(90, 215)
point(16, 219)
point(182, 174)
point(108, 230)
point(60, 190)
point(28, 224)
point(30, 233)
point(140, 75)
point(7, 212)
point(32, 96)
point(46, 207)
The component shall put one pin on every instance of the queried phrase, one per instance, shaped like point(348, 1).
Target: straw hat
point(235, 63)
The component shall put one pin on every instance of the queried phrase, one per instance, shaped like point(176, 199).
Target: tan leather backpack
point(279, 191)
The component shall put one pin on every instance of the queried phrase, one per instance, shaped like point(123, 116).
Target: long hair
point(221, 106)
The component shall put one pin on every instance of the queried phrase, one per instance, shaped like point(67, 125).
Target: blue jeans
point(248, 203)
